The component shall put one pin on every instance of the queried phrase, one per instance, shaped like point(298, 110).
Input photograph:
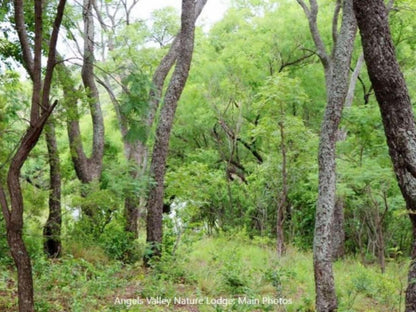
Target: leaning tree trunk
point(40, 111)
point(137, 152)
point(52, 229)
point(396, 111)
point(160, 149)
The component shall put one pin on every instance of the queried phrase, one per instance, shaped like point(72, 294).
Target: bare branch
point(4, 205)
point(52, 53)
point(37, 65)
point(294, 62)
point(23, 38)
point(230, 133)
point(335, 22)
point(312, 13)
point(116, 105)
point(304, 7)
point(109, 74)
point(99, 16)
point(353, 81)
point(129, 9)
point(164, 67)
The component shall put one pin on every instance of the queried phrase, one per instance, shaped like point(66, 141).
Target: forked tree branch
point(312, 13)
point(335, 22)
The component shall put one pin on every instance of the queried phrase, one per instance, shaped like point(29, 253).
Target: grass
point(225, 273)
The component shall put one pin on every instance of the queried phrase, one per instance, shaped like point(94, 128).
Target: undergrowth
point(228, 273)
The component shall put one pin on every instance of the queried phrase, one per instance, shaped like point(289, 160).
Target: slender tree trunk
point(338, 231)
point(281, 209)
point(52, 229)
point(136, 155)
point(396, 111)
point(336, 67)
point(138, 151)
point(88, 169)
point(133, 203)
point(14, 216)
point(40, 111)
point(160, 150)
point(336, 74)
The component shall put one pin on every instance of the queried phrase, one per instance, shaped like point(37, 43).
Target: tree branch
point(52, 53)
point(297, 61)
point(23, 38)
point(335, 22)
point(353, 81)
point(164, 68)
point(4, 205)
point(312, 13)
point(37, 65)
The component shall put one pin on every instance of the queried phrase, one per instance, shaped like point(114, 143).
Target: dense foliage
point(255, 87)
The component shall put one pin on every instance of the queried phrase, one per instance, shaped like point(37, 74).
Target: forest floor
point(207, 274)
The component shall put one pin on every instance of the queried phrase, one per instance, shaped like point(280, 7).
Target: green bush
point(120, 245)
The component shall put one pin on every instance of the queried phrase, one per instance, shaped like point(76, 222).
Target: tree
point(52, 229)
point(110, 20)
point(396, 111)
point(136, 106)
point(336, 67)
point(39, 113)
point(87, 168)
point(167, 113)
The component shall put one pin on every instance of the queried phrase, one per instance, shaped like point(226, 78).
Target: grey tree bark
point(137, 152)
point(87, 168)
point(161, 146)
point(338, 231)
point(336, 67)
point(40, 111)
point(396, 111)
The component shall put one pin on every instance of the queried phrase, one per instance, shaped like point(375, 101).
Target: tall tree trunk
point(132, 204)
point(281, 209)
point(396, 111)
point(88, 169)
point(337, 88)
point(338, 231)
point(137, 152)
point(160, 149)
point(14, 216)
point(136, 155)
point(52, 229)
point(336, 67)
point(40, 111)
point(94, 163)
